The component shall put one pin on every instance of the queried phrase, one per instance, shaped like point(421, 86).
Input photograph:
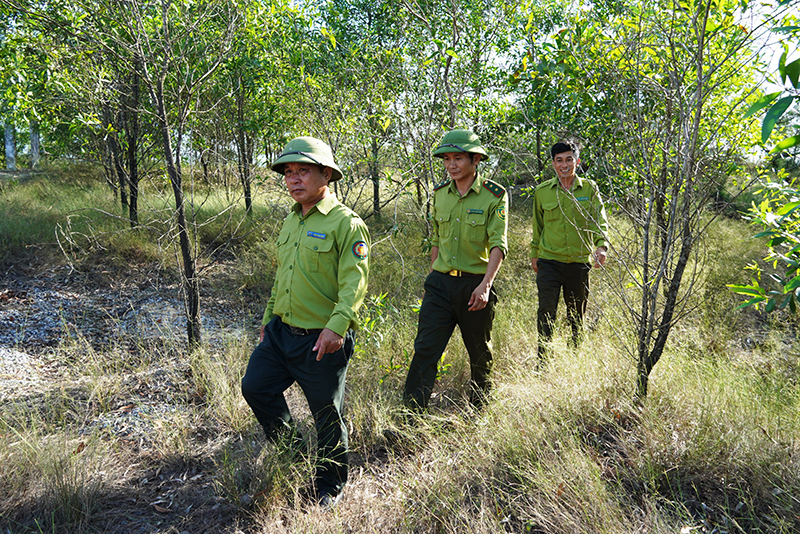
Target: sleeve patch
point(360, 250)
point(501, 213)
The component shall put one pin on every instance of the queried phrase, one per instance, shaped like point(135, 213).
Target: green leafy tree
point(653, 90)
point(778, 212)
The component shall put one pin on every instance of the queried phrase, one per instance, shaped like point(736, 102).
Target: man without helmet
point(569, 225)
point(307, 329)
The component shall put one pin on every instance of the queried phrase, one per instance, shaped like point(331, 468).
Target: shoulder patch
point(494, 188)
point(360, 250)
point(441, 185)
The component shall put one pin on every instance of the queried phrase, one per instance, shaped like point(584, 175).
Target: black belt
point(458, 273)
point(302, 331)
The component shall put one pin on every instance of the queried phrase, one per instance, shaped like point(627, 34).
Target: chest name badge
point(475, 211)
point(582, 199)
point(316, 234)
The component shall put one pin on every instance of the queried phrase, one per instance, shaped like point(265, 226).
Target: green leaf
point(792, 305)
point(767, 233)
point(751, 302)
point(452, 53)
point(792, 71)
point(789, 142)
point(746, 290)
point(771, 305)
point(761, 103)
point(774, 113)
point(793, 284)
point(787, 208)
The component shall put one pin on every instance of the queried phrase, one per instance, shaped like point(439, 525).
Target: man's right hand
point(535, 264)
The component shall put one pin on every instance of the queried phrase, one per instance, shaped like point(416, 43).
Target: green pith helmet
point(460, 141)
point(307, 150)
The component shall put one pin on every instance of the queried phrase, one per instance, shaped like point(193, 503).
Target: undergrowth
point(561, 449)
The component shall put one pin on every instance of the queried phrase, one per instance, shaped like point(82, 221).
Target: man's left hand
point(479, 298)
point(328, 342)
point(599, 255)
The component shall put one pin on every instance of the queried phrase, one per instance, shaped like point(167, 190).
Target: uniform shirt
point(467, 228)
point(322, 268)
point(568, 225)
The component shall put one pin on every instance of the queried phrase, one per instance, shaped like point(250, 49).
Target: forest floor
point(45, 302)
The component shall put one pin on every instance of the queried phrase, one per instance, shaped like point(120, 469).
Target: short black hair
point(565, 146)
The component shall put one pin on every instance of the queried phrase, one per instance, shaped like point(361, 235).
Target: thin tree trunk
point(244, 152)
point(116, 154)
point(191, 283)
point(375, 176)
point(35, 144)
point(11, 148)
point(132, 133)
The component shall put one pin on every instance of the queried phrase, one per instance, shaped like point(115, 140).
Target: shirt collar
point(476, 185)
point(578, 182)
point(324, 206)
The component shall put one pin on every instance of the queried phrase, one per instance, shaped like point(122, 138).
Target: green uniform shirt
point(322, 268)
point(568, 225)
point(467, 228)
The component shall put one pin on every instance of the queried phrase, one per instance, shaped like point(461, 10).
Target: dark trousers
point(551, 278)
point(284, 358)
point(443, 307)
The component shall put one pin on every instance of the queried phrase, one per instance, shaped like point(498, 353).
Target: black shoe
point(328, 501)
point(394, 437)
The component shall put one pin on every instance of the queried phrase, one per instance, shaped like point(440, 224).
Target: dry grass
point(139, 435)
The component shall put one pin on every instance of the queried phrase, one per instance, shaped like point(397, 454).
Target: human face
point(307, 183)
point(461, 166)
point(566, 165)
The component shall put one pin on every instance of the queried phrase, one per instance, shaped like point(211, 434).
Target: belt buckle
point(298, 331)
point(454, 272)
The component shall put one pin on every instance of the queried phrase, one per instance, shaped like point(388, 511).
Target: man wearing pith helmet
point(468, 246)
point(307, 329)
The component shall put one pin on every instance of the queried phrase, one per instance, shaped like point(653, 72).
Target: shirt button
point(315, 248)
point(290, 267)
point(458, 219)
point(287, 290)
point(295, 244)
point(302, 223)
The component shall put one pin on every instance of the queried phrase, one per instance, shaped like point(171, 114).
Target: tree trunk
point(132, 136)
point(35, 144)
point(11, 148)
point(648, 361)
point(375, 177)
point(539, 159)
point(190, 282)
point(244, 151)
point(116, 154)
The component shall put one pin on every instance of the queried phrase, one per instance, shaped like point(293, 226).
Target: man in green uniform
point(569, 224)
point(307, 329)
point(468, 246)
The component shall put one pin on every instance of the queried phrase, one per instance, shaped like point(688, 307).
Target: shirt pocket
point(444, 225)
point(552, 211)
point(283, 237)
point(315, 254)
point(476, 227)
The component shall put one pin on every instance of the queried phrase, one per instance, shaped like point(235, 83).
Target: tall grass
point(559, 450)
